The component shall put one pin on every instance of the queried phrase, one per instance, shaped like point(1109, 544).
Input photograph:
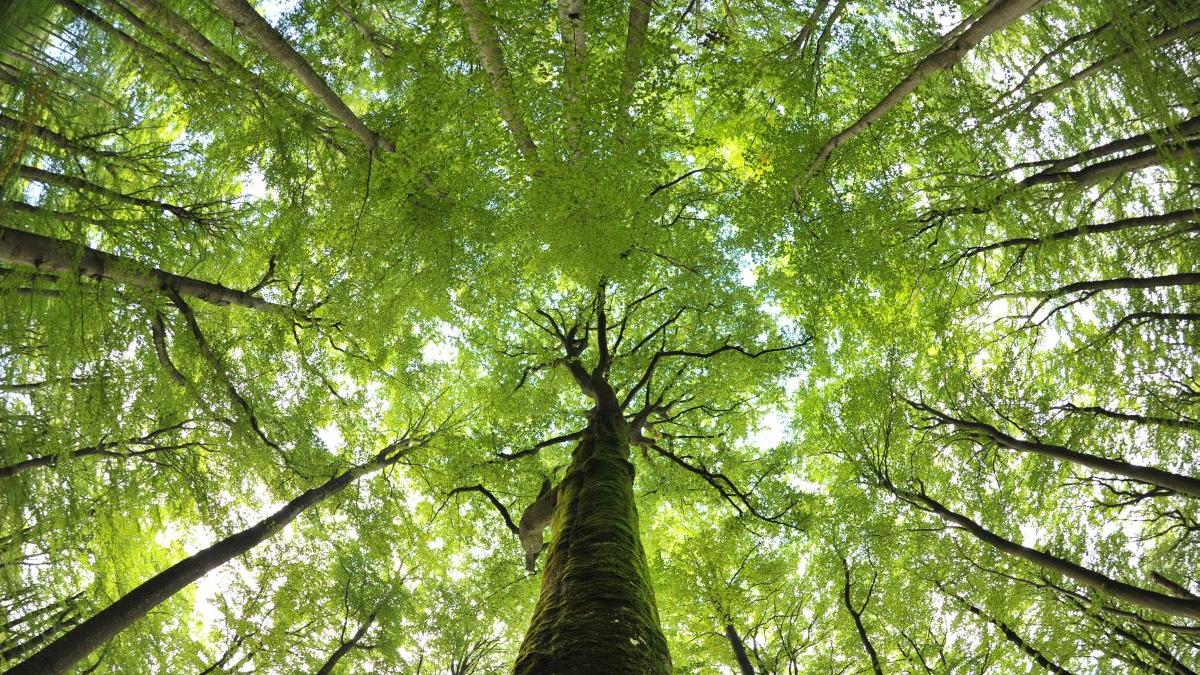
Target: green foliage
point(919, 272)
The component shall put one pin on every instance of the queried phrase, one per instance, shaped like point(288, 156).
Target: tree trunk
point(346, 647)
point(75, 183)
point(27, 249)
point(596, 612)
point(1186, 485)
point(1185, 607)
point(249, 23)
point(856, 614)
point(1070, 233)
point(483, 36)
point(1012, 636)
point(1000, 15)
point(77, 643)
point(739, 650)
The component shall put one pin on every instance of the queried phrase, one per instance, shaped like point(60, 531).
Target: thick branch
point(346, 646)
point(739, 650)
point(1094, 173)
point(508, 521)
point(1184, 129)
point(105, 449)
point(574, 436)
point(1131, 417)
point(1165, 281)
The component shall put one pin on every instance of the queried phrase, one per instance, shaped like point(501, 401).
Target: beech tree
point(692, 337)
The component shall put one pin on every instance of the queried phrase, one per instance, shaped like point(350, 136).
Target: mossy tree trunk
point(596, 612)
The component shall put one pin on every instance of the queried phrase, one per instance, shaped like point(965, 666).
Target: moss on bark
point(596, 612)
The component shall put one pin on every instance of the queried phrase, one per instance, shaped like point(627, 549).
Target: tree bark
point(1012, 636)
point(1168, 422)
point(27, 249)
point(60, 141)
point(75, 183)
point(596, 613)
point(1165, 479)
point(1185, 129)
point(1094, 173)
point(1072, 232)
point(856, 614)
point(1185, 607)
point(1029, 103)
point(102, 449)
point(76, 644)
point(483, 36)
point(252, 25)
point(574, 42)
point(1147, 283)
point(1002, 14)
point(739, 650)
point(346, 647)
point(635, 42)
point(116, 33)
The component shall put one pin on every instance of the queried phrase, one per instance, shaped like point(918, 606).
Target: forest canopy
point(639, 336)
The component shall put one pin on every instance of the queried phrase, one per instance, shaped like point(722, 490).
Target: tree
point(852, 336)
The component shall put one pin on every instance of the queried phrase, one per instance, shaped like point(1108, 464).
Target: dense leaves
point(899, 300)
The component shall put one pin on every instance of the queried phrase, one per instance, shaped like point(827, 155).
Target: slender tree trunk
point(1000, 15)
point(77, 643)
point(1012, 636)
point(739, 650)
point(856, 614)
point(1072, 232)
point(346, 647)
point(27, 249)
point(483, 36)
point(1185, 129)
point(574, 42)
point(1164, 38)
point(1187, 485)
point(1094, 173)
point(75, 183)
point(116, 33)
point(141, 25)
point(1185, 607)
point(800, 42)
point(596, 613)
point(635, 42)
point(252, 25)
point(60, 141)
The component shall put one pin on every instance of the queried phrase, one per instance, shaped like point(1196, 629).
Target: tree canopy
point(312, 315)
